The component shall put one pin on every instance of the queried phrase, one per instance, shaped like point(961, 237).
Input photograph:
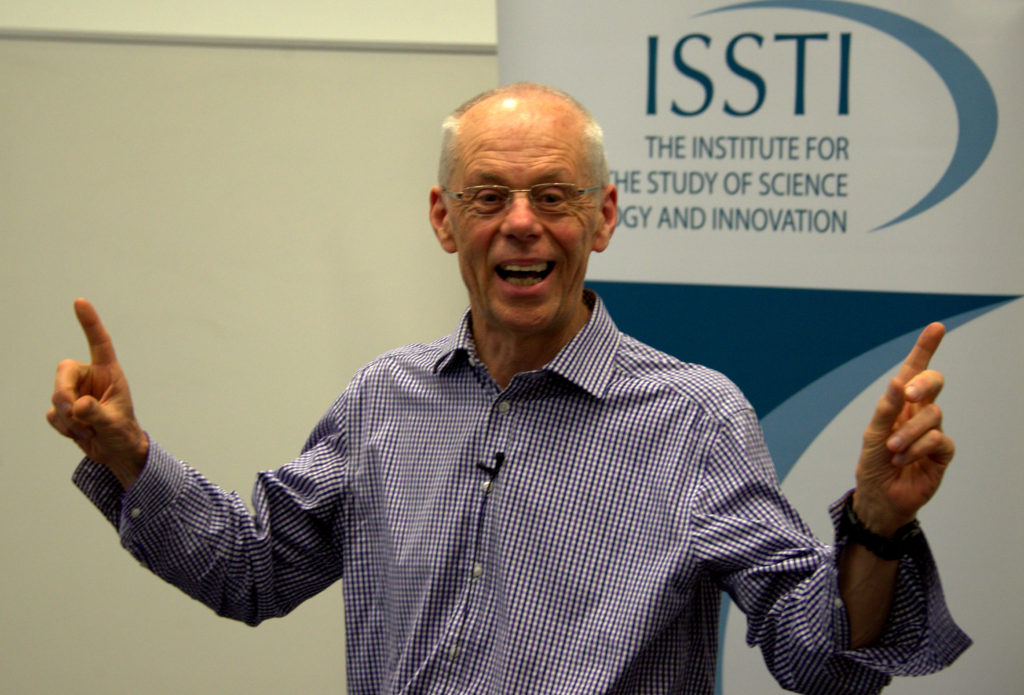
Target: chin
point(541, 319)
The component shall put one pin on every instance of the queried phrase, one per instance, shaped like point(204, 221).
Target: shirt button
point(478, 569)
point(837, 602)
point(135, 513)
point(504, 407)
point(486, 485)
point(454, 651)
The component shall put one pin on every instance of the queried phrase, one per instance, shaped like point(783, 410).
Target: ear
point(609, 217)
point(440, 220)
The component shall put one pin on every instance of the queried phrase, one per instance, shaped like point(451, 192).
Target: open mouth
point(525, 275)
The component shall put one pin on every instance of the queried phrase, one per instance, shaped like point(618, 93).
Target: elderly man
point(537, 502)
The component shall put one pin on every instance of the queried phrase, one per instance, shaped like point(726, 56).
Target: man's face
point(524, 270)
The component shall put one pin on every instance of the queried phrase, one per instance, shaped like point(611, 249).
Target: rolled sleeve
point(920, 636)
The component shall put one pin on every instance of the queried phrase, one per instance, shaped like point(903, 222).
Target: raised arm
point(93, 406)
point(904, 456)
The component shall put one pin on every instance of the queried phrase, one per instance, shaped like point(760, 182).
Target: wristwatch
point(901, 543)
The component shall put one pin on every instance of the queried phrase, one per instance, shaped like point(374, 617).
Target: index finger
point(101, 347)
point(921, 354)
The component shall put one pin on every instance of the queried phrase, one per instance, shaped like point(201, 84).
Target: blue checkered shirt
point(571, 533)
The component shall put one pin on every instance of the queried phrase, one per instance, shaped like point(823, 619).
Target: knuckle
point(62, 401)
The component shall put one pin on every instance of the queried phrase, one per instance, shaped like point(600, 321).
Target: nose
point(520, 217)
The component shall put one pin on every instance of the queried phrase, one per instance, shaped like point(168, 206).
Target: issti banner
point(803, 186)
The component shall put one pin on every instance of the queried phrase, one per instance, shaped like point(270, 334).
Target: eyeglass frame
point(460, 195)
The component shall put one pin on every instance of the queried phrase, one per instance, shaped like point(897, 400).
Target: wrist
point(127, 467)
point(874, 515)
point(890, 546)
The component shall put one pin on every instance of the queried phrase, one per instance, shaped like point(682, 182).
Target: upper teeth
point(535, 268)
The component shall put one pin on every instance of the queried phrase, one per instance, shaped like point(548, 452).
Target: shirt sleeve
point(786, 581)
point(246, 566)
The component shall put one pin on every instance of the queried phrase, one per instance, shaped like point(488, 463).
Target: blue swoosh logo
point(975, 102)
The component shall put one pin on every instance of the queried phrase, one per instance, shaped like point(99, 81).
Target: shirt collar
point(587, 360)
point(458, 344)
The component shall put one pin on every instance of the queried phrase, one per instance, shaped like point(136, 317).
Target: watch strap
point(901, 542)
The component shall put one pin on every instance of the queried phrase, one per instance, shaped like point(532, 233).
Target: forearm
point(869, 566)
point(205, 541)
point(867, 584)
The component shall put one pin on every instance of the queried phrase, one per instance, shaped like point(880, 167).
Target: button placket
point(473, 625)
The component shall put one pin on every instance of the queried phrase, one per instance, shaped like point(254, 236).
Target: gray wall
point(251, 224)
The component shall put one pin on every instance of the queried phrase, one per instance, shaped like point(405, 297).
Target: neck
point(507, 353)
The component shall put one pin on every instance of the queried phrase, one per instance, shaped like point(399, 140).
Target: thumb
point(88, 411)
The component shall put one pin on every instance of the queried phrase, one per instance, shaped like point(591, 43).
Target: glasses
point(546, 198)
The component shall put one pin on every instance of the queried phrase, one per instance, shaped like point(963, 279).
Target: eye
point(488, 196)
point(551, 196)
point(486, 200)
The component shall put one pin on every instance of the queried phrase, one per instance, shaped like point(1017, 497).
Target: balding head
point(595, 162)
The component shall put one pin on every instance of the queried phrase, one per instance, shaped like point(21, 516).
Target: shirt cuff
point(101, 487)
point(158, 484)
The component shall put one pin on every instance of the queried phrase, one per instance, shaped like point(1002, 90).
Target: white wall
point(449, 22)
point(251, 224)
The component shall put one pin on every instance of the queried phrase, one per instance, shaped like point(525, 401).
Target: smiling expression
point(524, 270)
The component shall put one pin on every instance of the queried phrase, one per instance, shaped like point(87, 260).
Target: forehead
point(521, 139)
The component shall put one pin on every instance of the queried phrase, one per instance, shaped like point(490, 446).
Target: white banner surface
point(803, 185)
